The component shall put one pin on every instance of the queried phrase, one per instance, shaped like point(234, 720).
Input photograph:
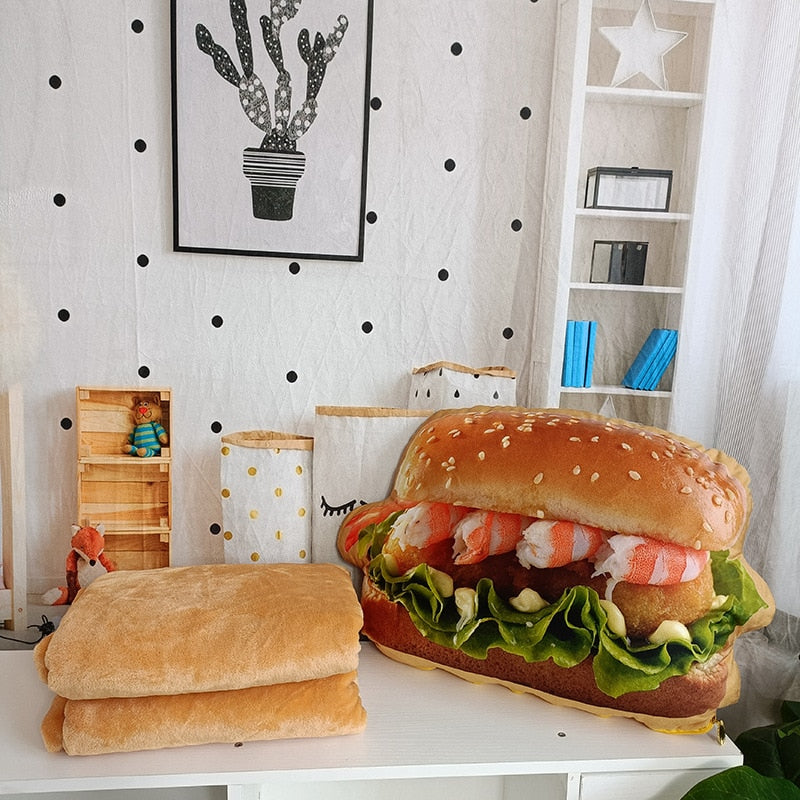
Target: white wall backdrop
point(91, 292)
point(244, 342)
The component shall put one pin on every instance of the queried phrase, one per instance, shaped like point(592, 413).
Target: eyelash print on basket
point(338, 511)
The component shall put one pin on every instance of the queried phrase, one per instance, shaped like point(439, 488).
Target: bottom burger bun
point(680, 704)
point(696, 724)
point(592, 562)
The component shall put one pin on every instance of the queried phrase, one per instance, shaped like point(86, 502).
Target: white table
point(428, 728)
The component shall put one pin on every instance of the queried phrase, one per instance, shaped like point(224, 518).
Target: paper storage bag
point(266, 497)
point(356, 452)
point(447, 385)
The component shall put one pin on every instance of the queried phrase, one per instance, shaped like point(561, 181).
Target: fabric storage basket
point(356, 452)
point(266, 496)
point(447, 385)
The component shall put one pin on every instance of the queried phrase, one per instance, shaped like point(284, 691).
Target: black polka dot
point(140, 145)
point(63, 314)
point(137, 26)
point(375, 103)
point(449, 165)
point(372, 217)
point(215, 529)
point(508, 333)
point(216, 321)
point(291, 376)
point(55, 82)
point(443, 275)
point(456, 49)
point(525, 112)
point(144, 372)
point(142, 260)
point(366, 326)
point(294, 268)
point(59, 199)
point(66, 423)
point(516, 225)
point(216, 427)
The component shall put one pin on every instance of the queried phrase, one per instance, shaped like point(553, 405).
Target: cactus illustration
point(281, 128)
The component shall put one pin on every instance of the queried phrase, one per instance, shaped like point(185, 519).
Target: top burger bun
point(566, 465)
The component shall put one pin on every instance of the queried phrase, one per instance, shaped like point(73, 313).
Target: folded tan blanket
point(191, 655)
point(203, 629)
point(322, 707)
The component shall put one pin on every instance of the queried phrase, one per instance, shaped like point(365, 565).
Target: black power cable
point(46, 627)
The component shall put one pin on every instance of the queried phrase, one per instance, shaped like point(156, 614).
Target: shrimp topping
point(547, 543)
point(486, 533)
point(367, 515)
point(425, 524)
point(420, 533)
point(643, 560)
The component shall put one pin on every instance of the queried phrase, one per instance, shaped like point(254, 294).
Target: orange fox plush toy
point(85, 562)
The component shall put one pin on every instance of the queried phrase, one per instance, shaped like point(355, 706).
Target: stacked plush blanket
point(194, 655)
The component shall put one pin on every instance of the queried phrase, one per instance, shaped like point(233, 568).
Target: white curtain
point(758, 401)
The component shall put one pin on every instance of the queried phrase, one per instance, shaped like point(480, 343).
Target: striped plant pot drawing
point(273, 177)
point(275, 167)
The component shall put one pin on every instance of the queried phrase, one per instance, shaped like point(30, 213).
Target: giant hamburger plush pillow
point(590, 561)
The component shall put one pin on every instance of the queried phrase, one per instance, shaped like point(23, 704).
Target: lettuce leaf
point(572, 628)
point(372, 537)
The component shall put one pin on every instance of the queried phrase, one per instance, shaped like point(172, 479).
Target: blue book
point(645, 379)
point(587, 381)
point(569, 343)
point(664, 359)
point(581, 351)
point(644, 358)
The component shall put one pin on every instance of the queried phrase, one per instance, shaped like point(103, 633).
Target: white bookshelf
point(634, 124)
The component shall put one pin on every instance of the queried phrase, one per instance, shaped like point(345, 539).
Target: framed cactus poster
point(270, 122)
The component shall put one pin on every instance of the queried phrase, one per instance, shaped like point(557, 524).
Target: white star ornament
point(642, 47)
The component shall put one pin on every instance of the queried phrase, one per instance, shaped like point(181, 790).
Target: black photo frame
point(270, 127)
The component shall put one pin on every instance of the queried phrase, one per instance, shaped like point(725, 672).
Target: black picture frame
point(270, 162)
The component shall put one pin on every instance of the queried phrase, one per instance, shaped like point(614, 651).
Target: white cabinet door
point(656, 785)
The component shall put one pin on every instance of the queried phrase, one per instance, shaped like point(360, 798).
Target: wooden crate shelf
point(137, 550)
point(104, 419)
point(129, 495)
point(125, 496)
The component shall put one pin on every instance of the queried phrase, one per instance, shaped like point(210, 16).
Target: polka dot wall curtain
point(458, 112)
